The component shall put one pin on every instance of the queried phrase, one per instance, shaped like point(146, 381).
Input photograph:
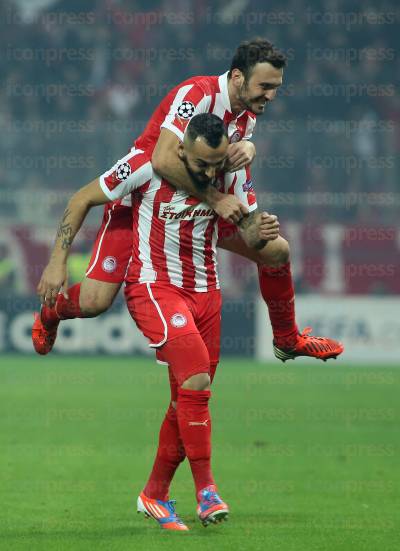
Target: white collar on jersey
point(223, 86)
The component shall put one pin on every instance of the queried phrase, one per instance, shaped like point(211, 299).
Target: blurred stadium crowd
point(80, 80)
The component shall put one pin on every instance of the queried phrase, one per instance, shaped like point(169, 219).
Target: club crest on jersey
point(123, 171)
point(109, 264)
point(169, 211)
point(235, 137)
point(186, 110)
point(178, 320)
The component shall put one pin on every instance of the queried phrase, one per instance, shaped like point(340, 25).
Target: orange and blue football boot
point(43, 338)
point(162, 511)
point(211, 508)
point(308, 345)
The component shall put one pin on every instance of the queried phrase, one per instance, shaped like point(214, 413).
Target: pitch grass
point(307, 456)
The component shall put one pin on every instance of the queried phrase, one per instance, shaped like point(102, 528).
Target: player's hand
point(230, 208)
point(269, 226)
point(54, 278)
point(240, 154)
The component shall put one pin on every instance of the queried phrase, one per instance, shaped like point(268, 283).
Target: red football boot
point(43, 338)
point(211, 508)
point(308, 345)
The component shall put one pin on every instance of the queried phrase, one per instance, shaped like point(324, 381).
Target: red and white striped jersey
point(174, 235)
point(201, 94)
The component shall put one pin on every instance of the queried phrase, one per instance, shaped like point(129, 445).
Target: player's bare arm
point(259, 228)
point(166, 162)
point(54, 276)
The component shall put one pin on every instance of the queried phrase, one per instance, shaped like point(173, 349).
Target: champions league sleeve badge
point(186, 110)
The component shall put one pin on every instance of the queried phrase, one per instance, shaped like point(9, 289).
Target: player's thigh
point(112, 249)
point(160, 312)
point(234, 243)
point(97, 296)
point(274, 253)
point(165, 318)
point(209, 323)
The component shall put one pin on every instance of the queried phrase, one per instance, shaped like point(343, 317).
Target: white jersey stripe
point(203, 106)
point(198, 253)
point(219, 108)
point(249, 128)
point(145, 216)
point(172, 248)
point(231, 128)
point(214, 248)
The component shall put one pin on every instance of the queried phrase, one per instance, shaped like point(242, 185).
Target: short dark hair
point(208, 126)
point(256, 51)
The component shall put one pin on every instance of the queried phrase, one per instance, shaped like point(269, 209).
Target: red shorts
point(165, 313)
point(113, 246)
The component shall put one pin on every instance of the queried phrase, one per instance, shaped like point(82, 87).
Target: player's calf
point(96, 296)
point(275, 253)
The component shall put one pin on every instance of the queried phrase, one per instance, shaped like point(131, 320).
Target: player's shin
point(195, 429)
point(276, 286)
point(170, 454)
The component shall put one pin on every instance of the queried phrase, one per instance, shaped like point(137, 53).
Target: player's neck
point(236, 104)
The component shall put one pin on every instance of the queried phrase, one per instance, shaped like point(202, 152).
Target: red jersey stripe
point(186, 253)
point(209, 258)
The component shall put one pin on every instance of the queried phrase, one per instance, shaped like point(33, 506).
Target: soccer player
point(172, 292)
point(238, 97)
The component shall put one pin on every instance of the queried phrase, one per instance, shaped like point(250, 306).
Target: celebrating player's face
point(260, 88)
point(202, 161)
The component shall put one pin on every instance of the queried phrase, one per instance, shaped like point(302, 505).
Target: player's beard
point(200, 181)
point(251, 103)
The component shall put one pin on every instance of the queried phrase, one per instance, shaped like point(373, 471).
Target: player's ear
point(237, 77)
point(181, 150)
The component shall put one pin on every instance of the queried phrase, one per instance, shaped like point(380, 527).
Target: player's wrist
point(58, 259)
point(213, 196)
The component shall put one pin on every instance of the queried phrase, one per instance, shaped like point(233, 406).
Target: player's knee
point(200, 381)
point(93, 304)
point(276, 253)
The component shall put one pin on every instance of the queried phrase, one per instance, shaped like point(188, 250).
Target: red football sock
point(65, 308)
point(195, 430)
point(170, 454)
point(276, 287)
